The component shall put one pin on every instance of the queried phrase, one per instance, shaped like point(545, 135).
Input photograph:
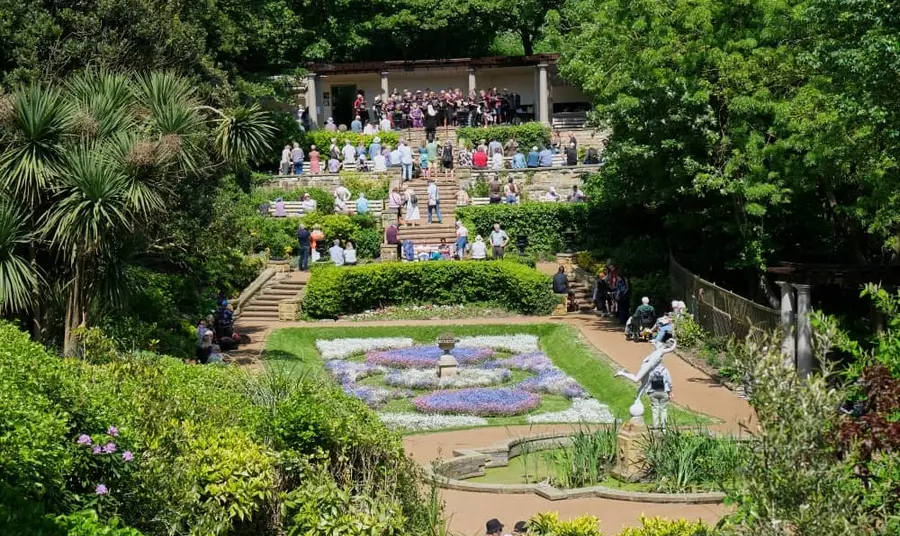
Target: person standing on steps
point(494, 190)
point(447, 159)
point(304, 238)
point(499, 240)
point(659, 392)
point(412, 207)
point(462, 240)
point(434, 201)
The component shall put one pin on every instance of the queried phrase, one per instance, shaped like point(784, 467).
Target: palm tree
point(96, 159)
point(17, 278)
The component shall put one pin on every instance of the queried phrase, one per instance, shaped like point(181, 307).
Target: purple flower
point(113, 431)
point(347, 372)
point(481, 402)
point(425, 356)
point(109, 448)
point(101, 490)
point(127, 456)
point(84, 440)
point(97, 449)
point(372, 396)
point(553, 381)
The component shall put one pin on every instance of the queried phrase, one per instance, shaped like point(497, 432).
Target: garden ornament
point(643, 375)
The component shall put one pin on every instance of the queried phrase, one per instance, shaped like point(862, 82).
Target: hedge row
point(542, 223)
point(322, 139)
point(332, 292)
point(527, 134)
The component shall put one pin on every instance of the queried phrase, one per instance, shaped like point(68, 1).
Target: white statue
point(643, 375)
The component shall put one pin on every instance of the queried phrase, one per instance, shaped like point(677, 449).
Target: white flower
point(415, 422)
point(428, 378)
point(517, 344)
point(587, 410)
point(344, 348)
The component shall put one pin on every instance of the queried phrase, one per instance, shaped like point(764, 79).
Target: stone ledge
point(466, 460)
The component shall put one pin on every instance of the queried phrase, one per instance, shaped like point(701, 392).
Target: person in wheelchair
point(644, 318)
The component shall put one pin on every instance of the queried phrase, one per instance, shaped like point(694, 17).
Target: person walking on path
point(434, 201)
point(659, 391)
point(304, 238)
point(499, 240)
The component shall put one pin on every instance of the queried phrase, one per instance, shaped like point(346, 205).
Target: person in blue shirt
point(356, 125)
point(362, 204)
point(546, 157)
point(534, 158)
point(518, 160)
point(374, 148)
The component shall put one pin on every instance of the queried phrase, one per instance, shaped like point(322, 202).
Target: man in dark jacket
point(303, 237)
point(561, 282)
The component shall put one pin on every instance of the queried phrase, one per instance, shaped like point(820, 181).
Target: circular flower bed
point(428, 379)
point(481, 402)
point(555, 382)
point(425, 356)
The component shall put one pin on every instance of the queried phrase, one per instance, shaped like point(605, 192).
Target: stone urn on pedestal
point(447, 364)
point(629, 458)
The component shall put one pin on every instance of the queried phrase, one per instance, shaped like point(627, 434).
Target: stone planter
point(389, 252)
point(289, 310)
point(280, 266)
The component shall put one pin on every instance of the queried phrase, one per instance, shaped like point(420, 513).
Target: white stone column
point(543, 94)
point(537, 96)
point(312, 100)
point(385, 88)
point(789, 343)
point(804, 332)
point(472, 84)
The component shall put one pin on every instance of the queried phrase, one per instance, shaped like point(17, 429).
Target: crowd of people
point(216, 334)
point(432, 156)
point(430, 109)
point(461, 249)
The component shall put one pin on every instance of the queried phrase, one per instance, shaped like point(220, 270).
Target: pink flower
point(113, 431)
point(127, 456)
point(97, 449)
point(109, 448)
point(101, 490)
point(84, 440)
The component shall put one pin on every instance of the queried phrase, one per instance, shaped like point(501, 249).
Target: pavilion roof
point(413, 65)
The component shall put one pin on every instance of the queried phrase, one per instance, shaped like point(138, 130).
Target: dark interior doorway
point(342, 98)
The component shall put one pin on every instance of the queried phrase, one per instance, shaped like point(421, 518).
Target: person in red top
point(479, 159)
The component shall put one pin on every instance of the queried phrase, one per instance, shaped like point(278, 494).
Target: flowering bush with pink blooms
point(479, 402)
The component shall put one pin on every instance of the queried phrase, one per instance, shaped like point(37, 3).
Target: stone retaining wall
point(536, 182)
point(468, 463)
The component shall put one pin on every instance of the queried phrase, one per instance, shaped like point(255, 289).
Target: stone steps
point(264, 306)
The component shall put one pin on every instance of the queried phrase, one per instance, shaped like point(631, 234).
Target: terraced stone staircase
point(264, 306)
point(431, 234)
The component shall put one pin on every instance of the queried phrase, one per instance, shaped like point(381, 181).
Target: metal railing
point(719, 311)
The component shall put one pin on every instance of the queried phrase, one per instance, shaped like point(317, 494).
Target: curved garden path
point(468, 511)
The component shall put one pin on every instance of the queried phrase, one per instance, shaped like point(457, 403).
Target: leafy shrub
point(527, 260)
point(654, 285)
point(549, 524)
point(324, 198)
point(322, 506)
point(587, 461)
point(368, 243)
point(542, 223)
point(656, 526)
point(373, 187)
point(527, 134)
point(688, 331)
point(322, 139)
point(336, 291)
point(680, 460)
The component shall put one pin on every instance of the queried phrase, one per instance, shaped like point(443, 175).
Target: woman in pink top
point(313, 160)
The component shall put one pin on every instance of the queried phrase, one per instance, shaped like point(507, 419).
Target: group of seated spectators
point(215, 334)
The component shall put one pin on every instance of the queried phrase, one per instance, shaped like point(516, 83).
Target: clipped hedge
point(542, 223)
point(338, 291)
point(322, 140)
point(527, 134)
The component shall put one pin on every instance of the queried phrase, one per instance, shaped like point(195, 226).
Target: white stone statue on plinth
point(643, 375)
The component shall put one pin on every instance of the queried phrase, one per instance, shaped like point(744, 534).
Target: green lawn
point(293, 351)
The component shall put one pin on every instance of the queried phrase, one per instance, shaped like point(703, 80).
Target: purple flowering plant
point(480, 402)
point(425, 356)
point(531, 362)
point(103, 465)
point(553, 381)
